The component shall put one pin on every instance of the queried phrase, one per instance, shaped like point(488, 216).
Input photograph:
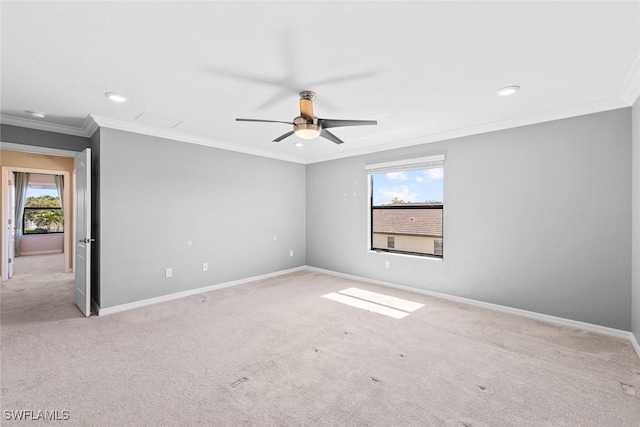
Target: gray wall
point(41, 138)
point(536, 218)
point(156, 195)
point(635, 321)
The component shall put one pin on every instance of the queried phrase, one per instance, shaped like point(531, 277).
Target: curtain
point(22, 181)
point(60, 187)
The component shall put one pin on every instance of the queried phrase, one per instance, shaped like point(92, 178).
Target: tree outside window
point(43, 214)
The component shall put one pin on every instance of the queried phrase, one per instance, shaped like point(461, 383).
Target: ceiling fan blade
point(277, 97)
point(344, 78)
point(331, 123)
point(281, 137)
point(331, 137)
point(264, 121)
point(239, 75)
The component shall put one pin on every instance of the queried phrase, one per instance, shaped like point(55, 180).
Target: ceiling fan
point(308, 126)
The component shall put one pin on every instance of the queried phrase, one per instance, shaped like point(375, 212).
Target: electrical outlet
point(168, 272)
point(291, 253)
point(205, 266)
point(387, 264)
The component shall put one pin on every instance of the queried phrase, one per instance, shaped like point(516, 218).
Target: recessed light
point(36, 114)
point(508, 90)
point(116, 97)
point(299, 144)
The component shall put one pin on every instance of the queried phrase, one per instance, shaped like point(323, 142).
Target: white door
point(83, 231)
point(11, 215)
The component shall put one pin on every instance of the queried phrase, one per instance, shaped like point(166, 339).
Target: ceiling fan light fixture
point(307, 133)
point(307, 130)
point(508, 90)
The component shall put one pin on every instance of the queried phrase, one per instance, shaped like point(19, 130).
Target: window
point(406, 206)
point(42, 211)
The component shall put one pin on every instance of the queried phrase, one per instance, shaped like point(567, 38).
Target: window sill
point(395, 254)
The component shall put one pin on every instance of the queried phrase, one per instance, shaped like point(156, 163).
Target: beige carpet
point(275, 353)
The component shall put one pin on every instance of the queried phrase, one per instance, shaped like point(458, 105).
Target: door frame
point(68, 226)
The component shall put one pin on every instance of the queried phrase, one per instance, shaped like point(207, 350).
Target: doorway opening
point(43, 260)
point(38, 216)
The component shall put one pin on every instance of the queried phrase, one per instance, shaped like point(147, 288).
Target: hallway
point(38, 281)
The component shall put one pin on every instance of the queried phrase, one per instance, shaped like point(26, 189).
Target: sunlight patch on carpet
point(374, 302)
point(389, 301)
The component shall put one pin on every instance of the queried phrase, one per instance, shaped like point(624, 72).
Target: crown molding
point(177, 136)
point(40, 125)
point(577, 110)
point(627, 97)
point(630, 90)
point(90, 126)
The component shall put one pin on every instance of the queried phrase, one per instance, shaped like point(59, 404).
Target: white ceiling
point(424, 70)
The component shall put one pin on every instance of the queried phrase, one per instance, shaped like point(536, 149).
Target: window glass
point(42, 211)
point(407, 210)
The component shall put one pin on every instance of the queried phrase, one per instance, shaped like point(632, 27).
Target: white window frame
point(397, 166)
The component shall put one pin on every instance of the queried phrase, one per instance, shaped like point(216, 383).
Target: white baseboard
point(169, 297)
point(496, 307)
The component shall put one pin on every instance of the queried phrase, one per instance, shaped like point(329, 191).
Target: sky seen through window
point(412, 186)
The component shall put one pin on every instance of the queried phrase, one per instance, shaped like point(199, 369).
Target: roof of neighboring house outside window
point(419, 222)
